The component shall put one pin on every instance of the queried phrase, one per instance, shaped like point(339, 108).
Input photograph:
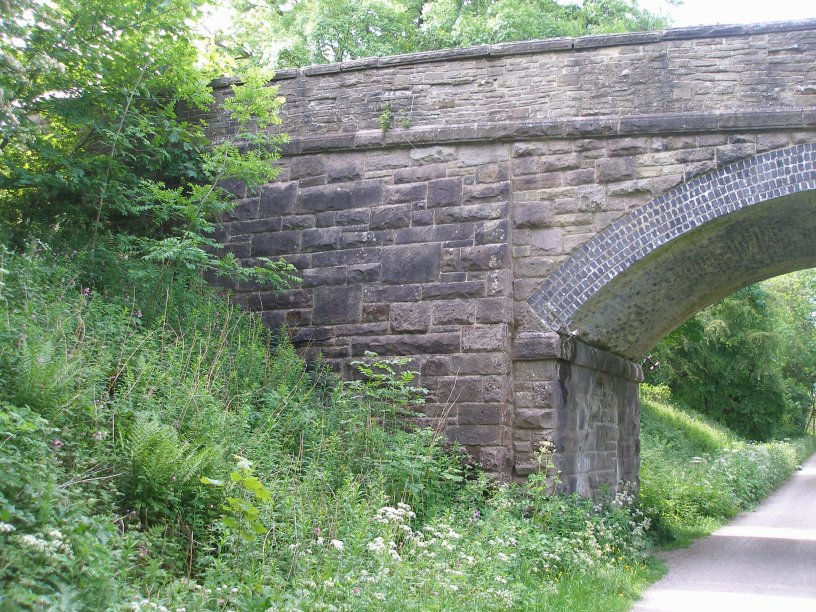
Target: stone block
point(323, 198)
point(444, 192)
point(306, 166)
point(532, 345)
point(488, 192)
point(478, 212)
point(411, 263)
point(481, 414)
point(375, 312)
point(390, 217)
point(277, 243)
point(345, 168)
point(433, 155)
point(485, 338)
point(412, 317)
point(413, 344)
point(473, 364)
point(277, 199)
point(494, 310)
point(484, 257)
point(479, 155)
point(407, 193)
point(363, 273)
point(496, 389)
point(394, 293)
point(416, 174)
point(534, 418)
point(496, 459)
point(321, 277)
point(532, 214)
point(341, 304)
point(321, 239)
point(454, 312)
point(476, 435)
point(451, 390)
point(493, 173)
point(448, 291)
point(613, 169)
point(491, 232)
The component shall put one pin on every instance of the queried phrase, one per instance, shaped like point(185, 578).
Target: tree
point(93, 148)
point(300, 32)
point(749, 361)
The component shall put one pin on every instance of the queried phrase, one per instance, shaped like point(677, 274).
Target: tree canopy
point(748, 361)
point(94, 150)
point(300, 32)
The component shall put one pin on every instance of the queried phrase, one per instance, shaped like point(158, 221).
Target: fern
point(163, 472)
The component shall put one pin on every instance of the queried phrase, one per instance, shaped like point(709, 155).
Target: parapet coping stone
point(550, 45)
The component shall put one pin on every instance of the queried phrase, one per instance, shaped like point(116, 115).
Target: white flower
point(338, 544)
point(243, 463)
point(503, 557)
point(377, 545)
point(6, 528)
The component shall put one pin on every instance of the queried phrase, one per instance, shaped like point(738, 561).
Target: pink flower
point(57, 444)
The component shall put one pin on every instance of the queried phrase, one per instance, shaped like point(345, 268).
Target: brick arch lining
point(607, 291)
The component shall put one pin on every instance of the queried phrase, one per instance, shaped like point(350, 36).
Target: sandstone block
point(277, 199)
point(411, 264)
point(410, 317)
point(609, 170)
point(485, 338)
point(340, 304)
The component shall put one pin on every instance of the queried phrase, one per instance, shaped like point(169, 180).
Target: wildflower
point(502, 557)
point(243, 463)
point(57, 444)
point(338, 544)
point(34, 542)
point(377, 545)
point(475, 516)
point(356, 590)
point(138, 314)
point(99, 435)
point(143, 550)
point(40, 359)
point(234, 590)
point(6, 528)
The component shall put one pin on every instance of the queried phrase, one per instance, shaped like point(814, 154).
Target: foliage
point(695, 473)
point(748, 361)
point(186, 457)
point(319, 31)
point(94, 152)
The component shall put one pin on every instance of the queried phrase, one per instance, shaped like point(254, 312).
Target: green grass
point(696, 474)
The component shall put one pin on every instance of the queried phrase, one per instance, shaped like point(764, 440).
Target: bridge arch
point(649, 271)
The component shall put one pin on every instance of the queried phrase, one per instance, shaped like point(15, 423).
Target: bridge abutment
point(584, 401)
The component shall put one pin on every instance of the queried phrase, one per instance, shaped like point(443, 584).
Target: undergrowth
point(162, 449)
point(696, 473)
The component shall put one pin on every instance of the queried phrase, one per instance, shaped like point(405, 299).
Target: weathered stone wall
point(430, 240)
point(404, 252)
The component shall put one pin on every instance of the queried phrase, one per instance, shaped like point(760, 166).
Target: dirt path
point(763, 560)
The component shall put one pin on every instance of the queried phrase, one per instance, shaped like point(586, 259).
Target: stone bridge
point(527, 220)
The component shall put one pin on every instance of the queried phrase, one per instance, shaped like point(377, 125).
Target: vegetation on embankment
point(696, 474)
point(156, 451)
point(161, 448)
